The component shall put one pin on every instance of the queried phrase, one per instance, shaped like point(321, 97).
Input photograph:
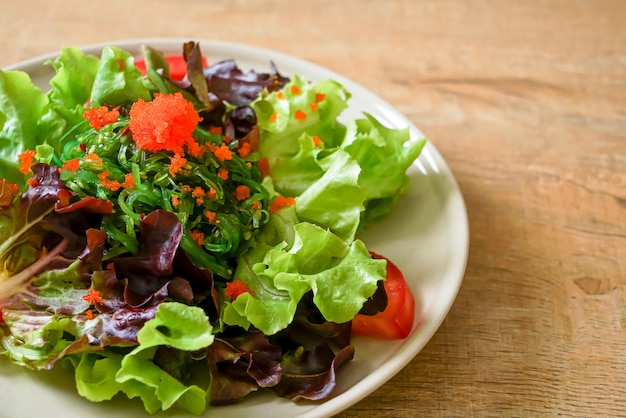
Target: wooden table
point(527, 103)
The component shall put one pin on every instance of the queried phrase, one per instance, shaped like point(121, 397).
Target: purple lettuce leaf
point(240, 363)
point(161, 264)
point(228, 83)
point(298, 363)
point(310, 374)
point(46, 305)
point(309, 327)
point(44, 226)
point(313, 349)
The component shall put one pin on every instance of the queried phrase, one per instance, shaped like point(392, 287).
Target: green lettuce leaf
point(103, 374)
point(340, 275)
point(293, 175)
point(280, 129)
point(23, 104)
point(342, 178)
point(40, 335)
point(155, 60)
point(177, 326)
point(32, 117)
point(74, 78)
point(71, 86)
point(95, 375)
point(118, 81)
point(384, 156)
point(335, 201)
point(358, 170)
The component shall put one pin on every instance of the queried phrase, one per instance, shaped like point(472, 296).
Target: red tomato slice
point(178, 66)
point(396, 321)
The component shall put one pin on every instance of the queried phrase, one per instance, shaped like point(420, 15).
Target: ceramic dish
point(426, 236)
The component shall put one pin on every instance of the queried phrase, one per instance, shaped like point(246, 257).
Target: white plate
point(426, 236)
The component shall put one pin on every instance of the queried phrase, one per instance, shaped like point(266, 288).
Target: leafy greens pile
point(229, 247)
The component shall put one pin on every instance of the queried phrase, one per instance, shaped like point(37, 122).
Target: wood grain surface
point(526, 101)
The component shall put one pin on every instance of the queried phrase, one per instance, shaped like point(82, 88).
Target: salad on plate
point(186, 233)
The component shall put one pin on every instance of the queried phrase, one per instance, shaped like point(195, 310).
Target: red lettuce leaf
point(310, 374)
point(228, 83)
point(42, 227)
point(298, 363)
point(161, 262)
point(48, 297)
point(160, 233)
point(240, 363)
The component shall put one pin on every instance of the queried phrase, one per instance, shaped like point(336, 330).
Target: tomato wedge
point(396, 321)
point(177, 63)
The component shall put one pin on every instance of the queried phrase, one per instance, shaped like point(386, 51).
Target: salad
point(186, 233)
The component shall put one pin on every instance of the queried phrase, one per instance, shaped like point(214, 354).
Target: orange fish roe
point(222, 152)
point(71, 165)
point(313, 106)
point(129, 180)
point(115, 185)
point(197, 236)
point(319, 97)
point(281, 202)
point(210, 215)
point(299, 115)
point(176, 164)
point(222, 173)
point(316, 141)
point(107, 183)
point(165, 123)
point(273, 117)
point(89, 314)
point(295, 89)
point(237, 288)
point(175, 200)
point(100, 116)
point(32, 182)
point(93, 297)
point(215, 130)
point(185, 188)
point(198, 193)
point(280, 95)
point(93, 158)
point(264, 166)
point(244, 149)
point(211, 194)
point(242, 192)
point(195, 150)
point(256, 205)
point(26, 160)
